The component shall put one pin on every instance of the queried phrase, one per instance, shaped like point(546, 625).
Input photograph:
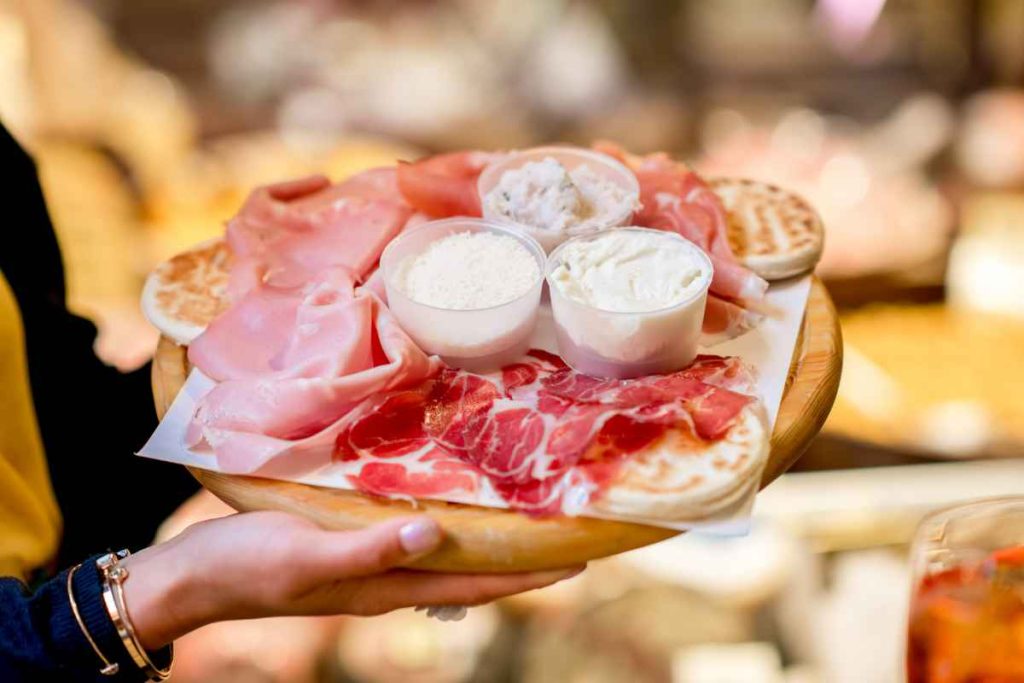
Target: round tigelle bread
point(682, 478)
point(184, 294)
point(772, 231)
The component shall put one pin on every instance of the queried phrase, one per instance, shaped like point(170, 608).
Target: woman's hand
point(263, 564)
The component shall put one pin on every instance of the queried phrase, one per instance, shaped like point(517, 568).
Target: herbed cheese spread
point(547, 196)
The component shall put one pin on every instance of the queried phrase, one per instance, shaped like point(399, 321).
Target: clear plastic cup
point(477, 339)
point(620, 345)
point(570, 157)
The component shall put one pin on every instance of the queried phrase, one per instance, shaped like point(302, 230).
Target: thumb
point(333, 555)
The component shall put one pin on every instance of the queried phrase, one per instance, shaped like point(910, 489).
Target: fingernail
point(419, 536)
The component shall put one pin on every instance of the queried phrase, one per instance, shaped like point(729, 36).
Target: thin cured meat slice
point(302, 345)
point(255, 327)
point(673, 214)
point(501, 426)
point(699, 214)
point(375, 184)
point(676, 199)
point(341, 348)
point(286, 233)
point(444, 185)
point(724, 319)
point(320, 329)
point(710, 405)
point(438, 477)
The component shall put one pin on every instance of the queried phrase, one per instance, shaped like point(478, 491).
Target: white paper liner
point(768, 349)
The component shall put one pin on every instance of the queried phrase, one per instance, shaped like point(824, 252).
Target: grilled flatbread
point(681, 478)
point(184, 294)
point(772, 231)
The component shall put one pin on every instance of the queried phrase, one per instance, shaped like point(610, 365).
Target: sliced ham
point(284, 233)
point(290, 370)
point(675, 198)
point(444, 185)
point(724, 319)
point(319, 329)
point(373, 184)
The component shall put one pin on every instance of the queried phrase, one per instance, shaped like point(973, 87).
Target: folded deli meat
point(311, 367)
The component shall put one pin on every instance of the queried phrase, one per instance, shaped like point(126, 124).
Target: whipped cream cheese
point(630, 271)
point(628, 302)
point(546, 195)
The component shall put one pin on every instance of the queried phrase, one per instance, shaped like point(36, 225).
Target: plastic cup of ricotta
point(600, 164)
point(474, 339)
point(621, 345)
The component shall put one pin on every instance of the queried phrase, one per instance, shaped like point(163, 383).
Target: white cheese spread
point(469, 271)
point(630, 271)
point(547, 196)
point(629, 301)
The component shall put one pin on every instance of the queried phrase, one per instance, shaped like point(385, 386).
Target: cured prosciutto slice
point(444, 185)
point(724, 319)
point(290, 363)
point(675, 198)
point(532, 433)
point(287, 232)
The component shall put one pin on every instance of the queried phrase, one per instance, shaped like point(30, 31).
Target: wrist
point(160, 595)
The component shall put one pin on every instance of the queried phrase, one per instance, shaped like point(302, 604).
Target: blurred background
point(902, 121)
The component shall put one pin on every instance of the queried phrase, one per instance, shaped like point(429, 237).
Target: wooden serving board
point(490, 540)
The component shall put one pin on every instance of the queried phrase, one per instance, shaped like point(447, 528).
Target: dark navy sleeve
point(40, 640)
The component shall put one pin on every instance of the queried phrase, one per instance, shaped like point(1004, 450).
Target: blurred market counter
point(879, 506)
point(932, 379)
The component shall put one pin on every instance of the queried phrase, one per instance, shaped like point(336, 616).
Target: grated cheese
point(469, 271)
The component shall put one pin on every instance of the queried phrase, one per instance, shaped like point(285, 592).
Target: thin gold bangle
point(114, 576)
point(109, 668)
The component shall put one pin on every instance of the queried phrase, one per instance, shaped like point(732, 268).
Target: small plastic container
point(570, 157)
point(477, 339)
point(621, 345)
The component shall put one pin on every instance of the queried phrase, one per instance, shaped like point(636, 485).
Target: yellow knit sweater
point(30, 522)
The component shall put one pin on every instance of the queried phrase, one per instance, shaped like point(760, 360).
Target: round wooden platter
point(489, 540)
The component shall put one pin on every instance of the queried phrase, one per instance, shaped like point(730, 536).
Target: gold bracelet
point(114, 576)
point(109, 668)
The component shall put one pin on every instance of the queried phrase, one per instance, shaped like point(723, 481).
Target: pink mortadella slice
point(286, 232)
point(289, 371)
